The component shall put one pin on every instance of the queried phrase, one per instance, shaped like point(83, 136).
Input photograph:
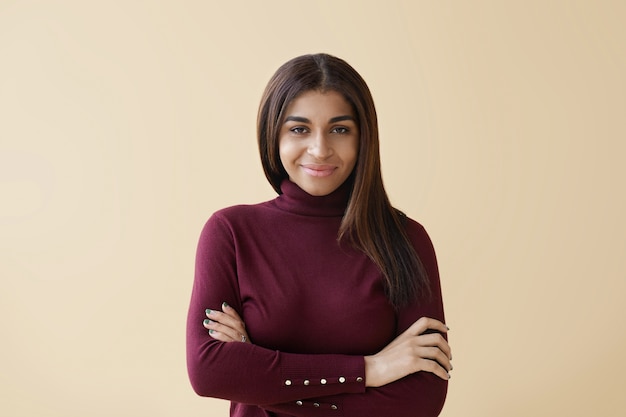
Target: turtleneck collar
point(294, 199)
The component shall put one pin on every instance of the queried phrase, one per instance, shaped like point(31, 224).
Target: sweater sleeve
point(244, 372)
point(418, 395)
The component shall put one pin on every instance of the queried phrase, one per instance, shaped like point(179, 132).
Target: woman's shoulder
point(234, 220)
point(412, 226)
point(416, 231)
point(242, 213)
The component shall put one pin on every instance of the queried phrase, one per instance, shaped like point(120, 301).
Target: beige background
point(125, 124)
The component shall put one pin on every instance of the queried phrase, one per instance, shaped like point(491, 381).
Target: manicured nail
point(207, 311)
point(211, 331)
point(447, 328)
point(224, 304)
point(449, 376)
point(206, 322)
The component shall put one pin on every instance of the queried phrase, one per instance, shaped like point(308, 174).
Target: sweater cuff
point(322, 375)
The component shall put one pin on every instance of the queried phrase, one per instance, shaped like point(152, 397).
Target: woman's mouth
point(315, 170)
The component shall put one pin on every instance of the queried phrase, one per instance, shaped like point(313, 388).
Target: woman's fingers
point(437, 341)
point(427, 324)
point(434, 328)
point(223, 332)
point(423, 327)
point(436, 354)
point(427, 353)
point(422, 347)
point(435, 368)
point(228, 317)
point(410, 356)
point(225, 325)
point(231, 312)
point(214, 331)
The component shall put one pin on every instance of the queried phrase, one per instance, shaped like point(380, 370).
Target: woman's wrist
point(371, 374)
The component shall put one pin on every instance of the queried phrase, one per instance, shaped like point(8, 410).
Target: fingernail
point(206, 322)
point(211, 331)
point(208, 311)
point(224, 304)
point(449, 376)
point(447, 328)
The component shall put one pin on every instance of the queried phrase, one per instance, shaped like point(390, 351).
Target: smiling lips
point(316, 170)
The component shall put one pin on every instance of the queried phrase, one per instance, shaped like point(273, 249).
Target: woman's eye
point(298, 130)
point(341, 130)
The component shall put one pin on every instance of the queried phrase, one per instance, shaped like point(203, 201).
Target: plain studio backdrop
point(125, 124)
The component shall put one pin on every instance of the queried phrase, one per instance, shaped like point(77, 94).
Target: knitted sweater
point(313, 309)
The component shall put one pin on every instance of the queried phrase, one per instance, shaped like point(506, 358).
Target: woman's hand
point(226, 325)
point(420, 348)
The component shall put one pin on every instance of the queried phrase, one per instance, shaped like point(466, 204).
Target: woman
point(325, 300)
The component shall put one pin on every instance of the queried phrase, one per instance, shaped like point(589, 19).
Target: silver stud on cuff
point(342, 380)
point(288, 382)
point(322, 381)
point(306, 382)
point(334, 407)
point(316, 404)
point(359, 379)
point(299, 402)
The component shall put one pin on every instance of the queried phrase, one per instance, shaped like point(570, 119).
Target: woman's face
point(319, 141)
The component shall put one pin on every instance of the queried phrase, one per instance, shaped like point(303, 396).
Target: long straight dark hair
point(370, 222)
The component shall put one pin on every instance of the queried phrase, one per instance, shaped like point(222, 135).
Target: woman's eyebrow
point(341, 118)
point(335, 119)
point(297, 119)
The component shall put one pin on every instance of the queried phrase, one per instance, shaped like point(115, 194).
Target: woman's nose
point(319, 147)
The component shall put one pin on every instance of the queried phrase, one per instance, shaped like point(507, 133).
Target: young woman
point(324, 301)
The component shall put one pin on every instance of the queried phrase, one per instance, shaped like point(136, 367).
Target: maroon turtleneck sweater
point(313, 309)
